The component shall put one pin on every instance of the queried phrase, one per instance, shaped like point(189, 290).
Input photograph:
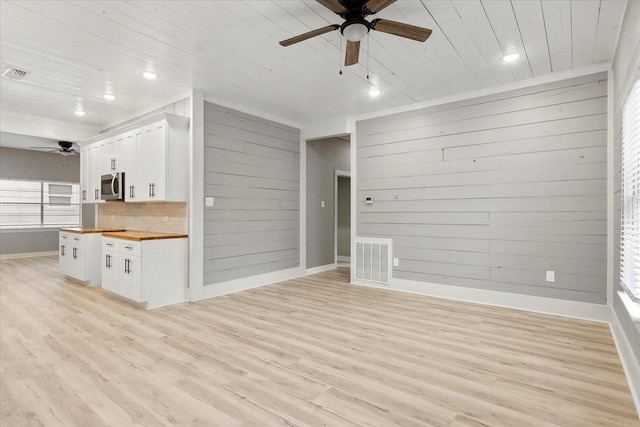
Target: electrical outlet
point(208, 201)
point(322, 204)
point(396, 262)
point(551, 276)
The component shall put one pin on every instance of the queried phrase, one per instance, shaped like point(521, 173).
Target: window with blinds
point(630, 242)
point(37, 204)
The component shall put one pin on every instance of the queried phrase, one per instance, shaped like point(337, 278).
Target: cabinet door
point(125, 153)
point(131, 277)
point(135, 177)
point(111, 271)
point(77, 269)
point(85, 183)
point(94, 155)
point(108, 157)
point(156, 142)
point(65, 252)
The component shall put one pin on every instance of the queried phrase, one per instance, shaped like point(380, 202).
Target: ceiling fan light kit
point(355, 31)
point(355, 27)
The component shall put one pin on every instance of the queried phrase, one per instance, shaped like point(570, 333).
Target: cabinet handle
point(84, 194)
point(75, 253)
point(77, 239)
point(62, 250)
point(126, 266)
point(149, 189)
point(97, 195)
point(107, 261)
point(153, 189)
point(113, 164)
point(64, 237)
point(109, 244)
point(128, 247)
point(133, 191)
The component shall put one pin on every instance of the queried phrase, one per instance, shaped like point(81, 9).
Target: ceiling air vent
point(14, 73)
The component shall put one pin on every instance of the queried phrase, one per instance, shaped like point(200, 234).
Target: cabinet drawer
point(110, 245)
point(128, 247)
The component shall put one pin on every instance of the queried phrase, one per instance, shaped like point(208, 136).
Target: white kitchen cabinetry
point(152, 153)
point(152, 273)
point(80, 256)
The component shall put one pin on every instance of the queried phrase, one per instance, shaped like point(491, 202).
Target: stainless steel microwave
point(112, 186)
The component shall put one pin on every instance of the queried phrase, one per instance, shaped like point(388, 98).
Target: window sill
point(633, 308)
point(35, 229)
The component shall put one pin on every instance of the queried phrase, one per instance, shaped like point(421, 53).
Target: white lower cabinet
point(152, 273)
point(79, 256)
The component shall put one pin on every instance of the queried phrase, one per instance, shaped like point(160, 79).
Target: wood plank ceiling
point(76, 51)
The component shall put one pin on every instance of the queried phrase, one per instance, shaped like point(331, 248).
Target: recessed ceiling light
point(374, 92)
point(511, 57)
point(109, 97)
point(149, 75)
point(79, 113)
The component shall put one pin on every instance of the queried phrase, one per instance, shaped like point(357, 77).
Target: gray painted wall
point(324, 157)
point(491, 192)
point(29, 164)
point(252, 169)
point(626, 67)
point(344, 216)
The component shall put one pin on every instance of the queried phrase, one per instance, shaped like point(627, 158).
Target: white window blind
point(630, 242)
point(36, 204)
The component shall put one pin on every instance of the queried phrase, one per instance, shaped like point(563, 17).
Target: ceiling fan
point(355, 26)
point(66, 149)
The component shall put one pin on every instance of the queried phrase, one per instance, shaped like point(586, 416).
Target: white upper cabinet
point(152, 154)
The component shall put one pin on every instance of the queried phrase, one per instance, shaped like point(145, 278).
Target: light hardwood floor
point(313, 351)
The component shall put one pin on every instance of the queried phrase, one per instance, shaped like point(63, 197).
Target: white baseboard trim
point(28, 255)
point(320, 269)
point(342, 258)
point(629, 363)
point(580, 310)
point(218, 289)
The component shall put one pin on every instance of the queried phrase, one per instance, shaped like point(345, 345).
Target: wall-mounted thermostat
point(368, 200)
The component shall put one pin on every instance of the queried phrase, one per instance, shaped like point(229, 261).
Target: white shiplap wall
point(491, 192)
point(251, 168)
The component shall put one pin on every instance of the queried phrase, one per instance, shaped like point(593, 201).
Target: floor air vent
point(373, 260)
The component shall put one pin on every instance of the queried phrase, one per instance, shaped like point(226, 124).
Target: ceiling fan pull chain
point(368, 52)
point(340, 50)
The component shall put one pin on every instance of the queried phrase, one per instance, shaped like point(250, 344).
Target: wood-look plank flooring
point(313, 351)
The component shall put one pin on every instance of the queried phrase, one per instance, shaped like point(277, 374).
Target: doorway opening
point(342, 219)
point(325, 160)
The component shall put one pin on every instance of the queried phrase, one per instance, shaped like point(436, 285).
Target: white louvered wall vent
point(14, 74)
point(373, 260)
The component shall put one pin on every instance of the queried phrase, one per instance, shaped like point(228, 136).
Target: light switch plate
point(322, 204)
point(551, 276)
point(208, 201)
point(396, 262)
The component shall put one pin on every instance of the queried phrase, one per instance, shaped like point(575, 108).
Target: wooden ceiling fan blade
point(353, 53)
point(375, 6)
point(401, 29)
point(333, 6)
point(310, 34)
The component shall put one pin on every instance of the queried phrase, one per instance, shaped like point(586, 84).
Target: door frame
point(344, 174)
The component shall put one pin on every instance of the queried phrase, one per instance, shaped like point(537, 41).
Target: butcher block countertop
point(142, 235)
point(81, 230)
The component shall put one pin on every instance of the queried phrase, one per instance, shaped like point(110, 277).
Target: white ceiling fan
point(65, 149)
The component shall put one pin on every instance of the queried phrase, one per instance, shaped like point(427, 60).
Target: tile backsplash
point(157, 216)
